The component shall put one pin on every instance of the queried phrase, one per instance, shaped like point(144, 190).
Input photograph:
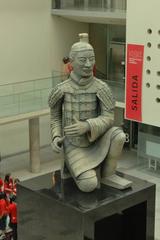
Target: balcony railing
point(89, 5)
point(27, 96)
point(91, 11)
point(30, 96)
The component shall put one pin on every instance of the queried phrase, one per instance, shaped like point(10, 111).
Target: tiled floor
point(19, 167)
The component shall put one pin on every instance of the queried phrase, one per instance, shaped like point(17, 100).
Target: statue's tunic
point(91, 102)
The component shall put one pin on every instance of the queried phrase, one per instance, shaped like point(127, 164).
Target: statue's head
point(82, 59)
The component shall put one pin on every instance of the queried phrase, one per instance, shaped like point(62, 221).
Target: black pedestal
point(47, 213)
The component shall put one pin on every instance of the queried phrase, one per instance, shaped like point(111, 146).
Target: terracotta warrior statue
point(82, 123)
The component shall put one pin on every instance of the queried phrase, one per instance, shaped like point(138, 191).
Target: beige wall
point(32, 40)
point(32, 44)
point(25, 40)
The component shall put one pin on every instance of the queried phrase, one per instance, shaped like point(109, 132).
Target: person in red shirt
point(94, 70)
point(12, 210)
point(1, 185)
point(16, 180)
point(3, 213)
point(67, 67)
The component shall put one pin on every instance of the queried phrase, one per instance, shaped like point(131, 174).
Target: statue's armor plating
point(82, 105)
point(92, 102)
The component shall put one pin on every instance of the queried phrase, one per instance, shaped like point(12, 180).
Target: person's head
point(12, 198)
point(82, 59)
point(3, 195)
point(66, 60)
point(7, 177)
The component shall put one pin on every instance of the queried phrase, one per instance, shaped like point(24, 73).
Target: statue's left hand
point(77, 129)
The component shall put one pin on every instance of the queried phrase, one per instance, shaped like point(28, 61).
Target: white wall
point(32, 44)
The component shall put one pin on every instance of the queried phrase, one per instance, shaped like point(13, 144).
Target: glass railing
point(89, 5)
point(27, 96)
point(118, 90)
point(149, 148)
point(117, 86)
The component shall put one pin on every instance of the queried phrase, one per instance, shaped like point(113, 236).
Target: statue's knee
point(87, 181)
point(117, 145)
point(120, 138)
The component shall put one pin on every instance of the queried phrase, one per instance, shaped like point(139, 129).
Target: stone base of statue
point(62, 212)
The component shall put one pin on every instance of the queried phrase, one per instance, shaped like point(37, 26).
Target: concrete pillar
point(34, 143)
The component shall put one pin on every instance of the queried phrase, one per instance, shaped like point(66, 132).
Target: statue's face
point(83, 63)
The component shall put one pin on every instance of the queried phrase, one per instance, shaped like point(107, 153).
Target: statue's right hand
point(57, 144)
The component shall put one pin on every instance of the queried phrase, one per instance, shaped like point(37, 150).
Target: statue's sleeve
point(55, 102)
point(100, 124)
